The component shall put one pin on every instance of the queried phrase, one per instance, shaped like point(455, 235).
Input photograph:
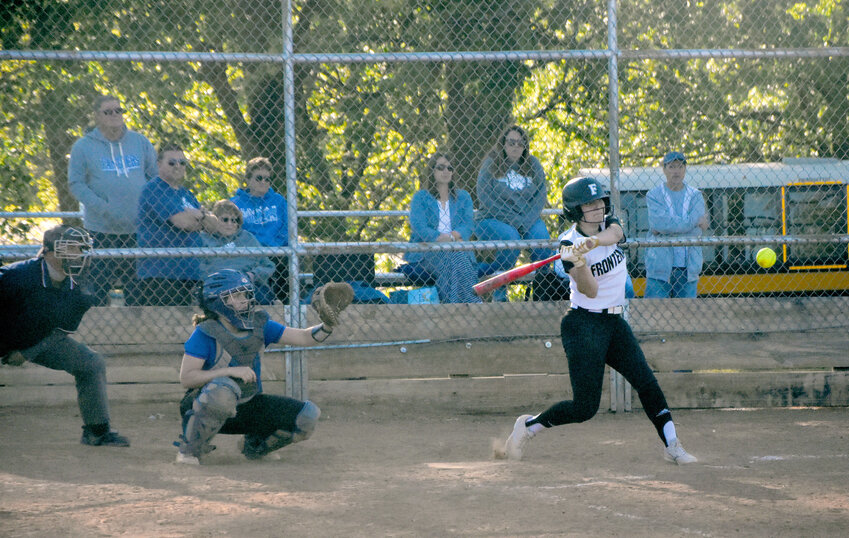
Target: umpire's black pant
point(590, 341)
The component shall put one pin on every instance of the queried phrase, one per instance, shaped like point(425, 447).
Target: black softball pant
point(590, 341)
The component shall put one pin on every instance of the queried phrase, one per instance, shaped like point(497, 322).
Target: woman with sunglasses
point(231, 235)
point(265, 215)
point(442, 213)
point(512, 190)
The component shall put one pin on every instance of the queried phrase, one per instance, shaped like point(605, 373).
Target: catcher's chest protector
point(234, 350)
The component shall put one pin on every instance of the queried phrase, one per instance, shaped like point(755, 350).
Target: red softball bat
point(509, 276)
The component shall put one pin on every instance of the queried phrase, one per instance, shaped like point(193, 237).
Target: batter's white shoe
point(514, 448)
point(675, 453)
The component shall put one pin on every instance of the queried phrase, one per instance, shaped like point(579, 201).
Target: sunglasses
point(265, 179)
point(175, 162)
point(514, 142)
point(234, 220)
point(442, 167)
point(110, 111)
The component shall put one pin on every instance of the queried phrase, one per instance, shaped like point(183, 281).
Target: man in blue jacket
point(41, 303)
point(107, 170)
point(675, 209)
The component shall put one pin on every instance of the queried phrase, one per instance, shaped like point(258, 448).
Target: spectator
point(170, 217)
point(40, 305)
point(442, 213)
point(265, 216)
point(511, 192)
point(108, 168)
point(231, 235)
point(675, 209)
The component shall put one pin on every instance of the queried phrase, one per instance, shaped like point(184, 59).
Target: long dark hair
point(499, 163)
point(428, 182)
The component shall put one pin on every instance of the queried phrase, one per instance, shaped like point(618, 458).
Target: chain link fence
point(366, 113)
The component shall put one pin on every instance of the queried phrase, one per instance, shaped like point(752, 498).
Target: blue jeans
point(677, 287)
point(495, 230)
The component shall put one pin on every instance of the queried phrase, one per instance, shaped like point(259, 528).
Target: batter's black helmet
point(580, 191)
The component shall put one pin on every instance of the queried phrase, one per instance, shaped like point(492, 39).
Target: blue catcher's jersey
point(205, 347)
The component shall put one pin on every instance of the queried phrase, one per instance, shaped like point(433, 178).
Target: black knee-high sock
point(654, 404)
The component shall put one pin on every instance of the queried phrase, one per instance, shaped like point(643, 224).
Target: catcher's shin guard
point(210, 410)
point(306, 422)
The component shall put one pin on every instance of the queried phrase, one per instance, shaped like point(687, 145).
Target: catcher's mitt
point(331, 299)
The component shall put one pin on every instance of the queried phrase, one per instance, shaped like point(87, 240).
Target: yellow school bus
point(795, 197)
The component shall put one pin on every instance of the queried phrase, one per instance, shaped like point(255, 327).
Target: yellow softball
point(766, 257)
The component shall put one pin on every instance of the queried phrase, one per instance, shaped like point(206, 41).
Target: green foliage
point(364, 130)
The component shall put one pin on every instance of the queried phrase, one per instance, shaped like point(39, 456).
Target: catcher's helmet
point(216, 291)
point(71, 245)
point(583, 190)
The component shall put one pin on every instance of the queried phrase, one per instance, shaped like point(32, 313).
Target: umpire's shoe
point(110, 438)
point(514, 448)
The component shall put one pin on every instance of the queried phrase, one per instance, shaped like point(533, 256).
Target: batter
point(593, 331)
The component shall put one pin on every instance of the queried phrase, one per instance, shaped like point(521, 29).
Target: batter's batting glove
point(569, 253)
point(587, 245)
point(331, 299)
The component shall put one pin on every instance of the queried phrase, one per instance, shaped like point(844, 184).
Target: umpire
point(40, 304)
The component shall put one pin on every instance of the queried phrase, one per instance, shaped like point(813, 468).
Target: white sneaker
point(187, 459)
point(675, 453)
point(515, 445)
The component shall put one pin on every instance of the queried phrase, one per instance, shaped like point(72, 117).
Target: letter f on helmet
point(583, 190)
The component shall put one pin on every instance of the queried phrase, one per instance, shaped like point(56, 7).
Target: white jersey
point(607, 265)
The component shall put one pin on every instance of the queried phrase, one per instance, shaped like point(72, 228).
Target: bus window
point(816, 209)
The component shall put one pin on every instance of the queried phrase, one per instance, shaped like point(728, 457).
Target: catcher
point(221, 369)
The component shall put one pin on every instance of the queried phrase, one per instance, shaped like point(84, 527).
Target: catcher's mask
point(72, 246)
point(219, 295)
point(583, 190)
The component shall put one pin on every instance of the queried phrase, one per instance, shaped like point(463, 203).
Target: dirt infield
point(379, 472)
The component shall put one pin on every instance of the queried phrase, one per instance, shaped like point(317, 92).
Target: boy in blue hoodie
point(266, 218)
point(107, 170)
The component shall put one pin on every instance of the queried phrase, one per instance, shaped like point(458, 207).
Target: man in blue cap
point(675, 210)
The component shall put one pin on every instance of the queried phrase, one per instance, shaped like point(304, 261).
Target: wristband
point(320, 333)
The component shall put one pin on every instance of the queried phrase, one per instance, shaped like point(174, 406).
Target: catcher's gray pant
point(58, 351)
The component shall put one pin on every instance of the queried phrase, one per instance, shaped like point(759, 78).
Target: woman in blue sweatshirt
point(266, 218)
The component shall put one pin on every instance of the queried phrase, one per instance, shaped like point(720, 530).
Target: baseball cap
point(674, 156)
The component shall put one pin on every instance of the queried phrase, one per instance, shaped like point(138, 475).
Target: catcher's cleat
point(675, 453)
point(187, 459)
point(514, 448)
point(253, 448)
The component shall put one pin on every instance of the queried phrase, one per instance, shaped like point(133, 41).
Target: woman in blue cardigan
point(441, 213)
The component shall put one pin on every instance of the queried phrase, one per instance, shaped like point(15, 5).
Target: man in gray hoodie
point(108, 168)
